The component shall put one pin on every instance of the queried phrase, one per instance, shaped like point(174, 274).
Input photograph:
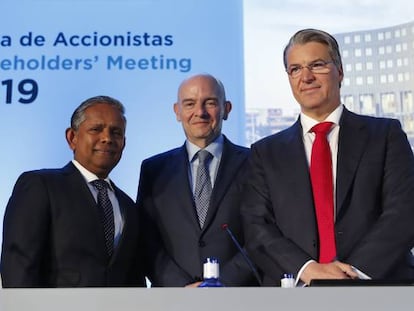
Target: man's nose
point(201, 110)
point(307, 74)
point(106, 135)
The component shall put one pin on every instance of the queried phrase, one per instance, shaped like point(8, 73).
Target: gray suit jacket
point(374, 226)
point(175, 245)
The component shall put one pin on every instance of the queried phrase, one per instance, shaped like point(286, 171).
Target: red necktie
point(322, 186)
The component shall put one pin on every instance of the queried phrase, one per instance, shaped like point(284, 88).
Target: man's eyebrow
point(315, 60)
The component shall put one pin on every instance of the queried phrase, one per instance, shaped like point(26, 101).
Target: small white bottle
point(211, 273)
point(287, 281)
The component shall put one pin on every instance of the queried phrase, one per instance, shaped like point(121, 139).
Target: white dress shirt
point(118, 220)
point(333, 137)
point(216, 149)
point(309, 137)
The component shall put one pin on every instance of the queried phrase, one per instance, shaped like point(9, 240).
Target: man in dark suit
point(53, 233)
point(372, 188)
point(177, 241)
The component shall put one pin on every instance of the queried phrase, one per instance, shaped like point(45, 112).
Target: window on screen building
point(388, 104)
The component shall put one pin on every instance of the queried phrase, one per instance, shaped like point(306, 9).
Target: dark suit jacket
point(374, 226)
point(53, 236)
point(176, 246)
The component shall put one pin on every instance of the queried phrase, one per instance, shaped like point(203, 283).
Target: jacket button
point(201, 243)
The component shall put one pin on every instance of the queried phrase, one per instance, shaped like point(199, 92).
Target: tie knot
point(322, 128)
point(100, 184)
point(204, 156)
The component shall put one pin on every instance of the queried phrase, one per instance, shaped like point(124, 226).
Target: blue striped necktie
point(106, 212)
point(203, 186)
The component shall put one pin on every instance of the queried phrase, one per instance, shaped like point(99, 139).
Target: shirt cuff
point(298, 282)
point(361, 275)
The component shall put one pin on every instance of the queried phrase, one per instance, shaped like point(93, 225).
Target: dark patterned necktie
point(322, 187)
point(203, 187)
point(106, 212)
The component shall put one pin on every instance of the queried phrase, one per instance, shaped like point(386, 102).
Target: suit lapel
point(124, 209)
point(77, 185)
point(231, 161)
point(350, 127)
point(179, 186)
point(295, 184)
point(293, 152)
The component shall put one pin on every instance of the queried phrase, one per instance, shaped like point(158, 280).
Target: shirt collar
point(215, 148)
point(89, 176)
point(307, 122)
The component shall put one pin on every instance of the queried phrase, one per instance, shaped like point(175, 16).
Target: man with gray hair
point(72, 227)
point(331, 197)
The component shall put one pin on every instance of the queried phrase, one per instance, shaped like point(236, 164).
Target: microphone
point(243, 252)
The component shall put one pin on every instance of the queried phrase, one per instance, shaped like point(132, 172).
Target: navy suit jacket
point(176, 246)
point(374, 226)
point(53, 236)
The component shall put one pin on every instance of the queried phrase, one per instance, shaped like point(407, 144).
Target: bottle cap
point(211, 268)
point(287, 280)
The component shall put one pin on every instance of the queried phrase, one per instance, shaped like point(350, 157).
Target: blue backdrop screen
point(55, 54)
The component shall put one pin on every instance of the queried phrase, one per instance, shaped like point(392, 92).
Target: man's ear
point(227, 108)
point(71, 138)
point(176, 108)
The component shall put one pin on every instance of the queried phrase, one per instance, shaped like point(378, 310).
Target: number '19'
point(27, 89)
